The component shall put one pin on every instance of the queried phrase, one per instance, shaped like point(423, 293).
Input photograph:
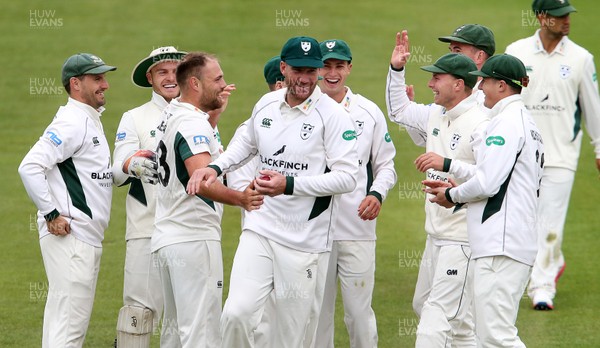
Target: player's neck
point(550, 40)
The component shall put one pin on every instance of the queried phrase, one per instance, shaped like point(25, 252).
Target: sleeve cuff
point(447, 194)
point(376, 195)
point(447, 163)
point(52, 215)
point(394, 69)
point(216, 168)
point(289, 185)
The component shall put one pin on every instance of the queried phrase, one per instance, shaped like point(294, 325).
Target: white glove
point(142, 165)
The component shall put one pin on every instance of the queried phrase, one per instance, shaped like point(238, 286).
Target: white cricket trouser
point(353, 262)
point(72, 269)
point(443, 297)
point(555, 191)
point(499, 283)
point(192, 281)
point(259, 267)
point(141, 285)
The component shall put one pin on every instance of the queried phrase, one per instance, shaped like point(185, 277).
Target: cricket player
point(307, 148)
point(240, 178)
point(563, 93)
point(476, 42)
point(450, 126)
point(135, 165)
point(187, 232)
point(502, 196)
point(67, 175)
point(352, 259)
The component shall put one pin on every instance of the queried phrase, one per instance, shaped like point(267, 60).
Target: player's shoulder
point(272, 97)
point(367, 104)
point(142, 109)
point(576, 50)
point(522, 45)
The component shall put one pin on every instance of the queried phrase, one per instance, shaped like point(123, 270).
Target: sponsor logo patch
point(201, 139)
point(495, 140)
point(121, 136)
point(266, 122)
point(54, 138)
point(349, 135)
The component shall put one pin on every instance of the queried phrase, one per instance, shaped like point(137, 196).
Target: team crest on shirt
point(95, 141)
point(360, 125)
point(565, 71)
point(306, 130)
point(454, 141)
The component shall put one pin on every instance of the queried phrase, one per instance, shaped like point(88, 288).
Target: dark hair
point(191, 65)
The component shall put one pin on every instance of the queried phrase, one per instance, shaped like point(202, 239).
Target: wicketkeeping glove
point(142, 165)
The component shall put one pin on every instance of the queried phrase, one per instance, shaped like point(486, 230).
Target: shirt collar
point(159, 100)
point(539, 46)
point(307, 106)
point(348, 100)
point(462, 107)
point(502, 104)
point(87, 108)
point(177, 103)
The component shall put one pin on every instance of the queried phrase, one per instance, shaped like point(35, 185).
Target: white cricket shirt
point(563, 91)
point(376, 173)
point(450, 134)
point(184, 131)
point(314, 145)
point(503, 194)
point(68, 169)
point(137, 130)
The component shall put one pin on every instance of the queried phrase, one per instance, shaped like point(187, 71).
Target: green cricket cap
point(83, 64)
point(302, 51)
point(455, 64)
point(335, 49)
point(159, 55)
point(505, 67)
point(272, 70)
point(473, 34)
point(556, 8)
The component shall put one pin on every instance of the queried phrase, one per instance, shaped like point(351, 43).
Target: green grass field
point(37, 36)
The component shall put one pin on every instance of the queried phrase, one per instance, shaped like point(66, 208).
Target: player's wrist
point(289, 185)
point(447, 163)
point(448, 197)
point(376, 195)
point(215, 168)
point(51, 216)
point(396, 69)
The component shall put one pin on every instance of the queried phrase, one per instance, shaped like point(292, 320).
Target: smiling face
point(163, 81)
point(213, 84)
point(490, 87)
point(89, 89)
point(335, 72)
point(444, 87)
point(301, 82)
